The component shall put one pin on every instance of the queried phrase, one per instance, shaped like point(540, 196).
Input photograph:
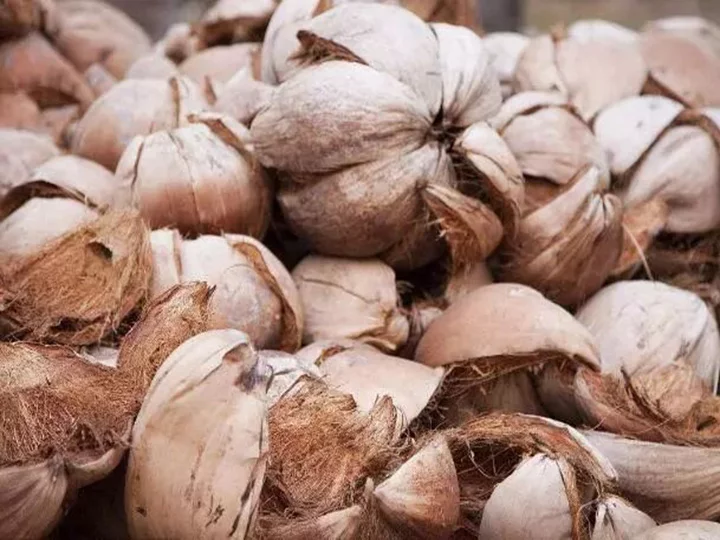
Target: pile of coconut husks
point(339, 270)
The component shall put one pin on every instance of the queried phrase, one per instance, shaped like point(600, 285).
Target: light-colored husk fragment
point(487, 449)
point(20, 152)
point(200, 178)
point(697, 29)
point(60, 122)
point(367, 374)
point(688, 528)
point(234, 20)
point(353, 299)
point(19, 111)
point(668, 482)
point(643, 325)
point(505, 49)
point(617, 519)
point(242, 97)
point(32, 65)
point(206, 408)
point(66, 424)
point(681, 69)
point(99, 79)
point(288, 372)
point(598, 29)
point(254, 291)
point(219, 63)
point(476, 340)
point(151, 66)
point(77, 289)
point(133, 107)
point(89, 32)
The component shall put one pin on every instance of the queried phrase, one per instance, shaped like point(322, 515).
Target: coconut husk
point(702, 31)
point(234, 20)
point(33, 66)
point(505, 49)
point(219, 63)
point(151, 66)
point(90, 32)
point(600, 30)
point(19, 111)
point(18, 17)
point(243, 97)
point(20, 152)
point(617, 518)
point(79, 288)
point(99, 79)
point(488, 449)
point(60, 122)
point(690, 528)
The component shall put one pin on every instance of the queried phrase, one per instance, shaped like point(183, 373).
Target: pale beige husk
point(488, 449)
point(476, 340)
point(65, 425)
point(18, 17)
point(668, 482)
point(592, 73)
point(367, 374)
point(151, 66)
point(242, 97)
point(20, 152)
point(133, 107)
point(700, 30)
point(19, 111)
point(219, 63)
point(60, 123)
point(505, 49)
point(598, 29)
point(202, 178)
point(79, 288)
point(32, 65)
point(234, 20)
point(89, 32)
point(205, 408)
point(353, 299)
point(642, 325)
point(689, 528)
point(617, 519)
point(254, 291)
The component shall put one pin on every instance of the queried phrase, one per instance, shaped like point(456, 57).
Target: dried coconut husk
point(505, 49)
point(89, 32)
point(668, 482)
point(19, 111)
point(32, 65)
point(20, 152)
point(642, 325)
point(60, 122)
point(456, 12)
point(220, 63)
point(690, 528)
point(288, 373)
point(234, 20)
point(489, 448)
point(353, 299)
point(617, 519)
point(200, 178)
point(242, 97)
point(62, 194)
point(697, 29)
point(65, 425)
point(591, 73)
point(18, 17)
point(133, 107)
point(205, 408)
point(178, 43)
point(78, 289)
point(475, 339)
point(368, 375)
point(681, 69)
point(254, 292)
point(151, 66)
point(598, 29)
point(420, 499)
point(99, 79)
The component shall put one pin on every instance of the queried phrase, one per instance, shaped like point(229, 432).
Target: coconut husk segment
point(79, 288)
point(323, 449)
point(486, 451)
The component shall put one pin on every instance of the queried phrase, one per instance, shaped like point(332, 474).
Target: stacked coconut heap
point(375, 277)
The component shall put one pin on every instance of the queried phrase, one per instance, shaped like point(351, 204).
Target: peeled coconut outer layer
point(20, 152)
point(206, 408)
point(617, 519)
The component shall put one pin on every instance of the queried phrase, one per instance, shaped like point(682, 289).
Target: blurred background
point(530, 16)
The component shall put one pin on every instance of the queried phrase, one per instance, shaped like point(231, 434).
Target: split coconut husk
point(19, 111)
point(367, 375)
point(503, 459)
point(254, 292)
point(32, 65)
point(591, 72)
point(421, 499)
point(79, 288)
point(617, 519)
point(242, 97)
point(489, 368)
point(234, 20)
point(221, 63)
point(89, 32)
point(690, 528)
point(505, 49)
point(133, 107)
point(205, 408)
point(62, 194)
point(667, 481)
point(640, 326)
point(20, 152)
point(66, 424)
point(200, 178)
point(371, 161)
point(352, 299)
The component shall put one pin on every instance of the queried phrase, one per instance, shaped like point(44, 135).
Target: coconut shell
point(642, 325)
point(20, 152)
point(90, 32)
point(681, 69)
point(33, 66)
point(219, 63)
point(617, 519)
point(50, 296)
point(344, 298)
point(368, 375)
point(19, 111)
point(66, 424)
point(236, 20)
point(130, 108)
point(206, 408)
